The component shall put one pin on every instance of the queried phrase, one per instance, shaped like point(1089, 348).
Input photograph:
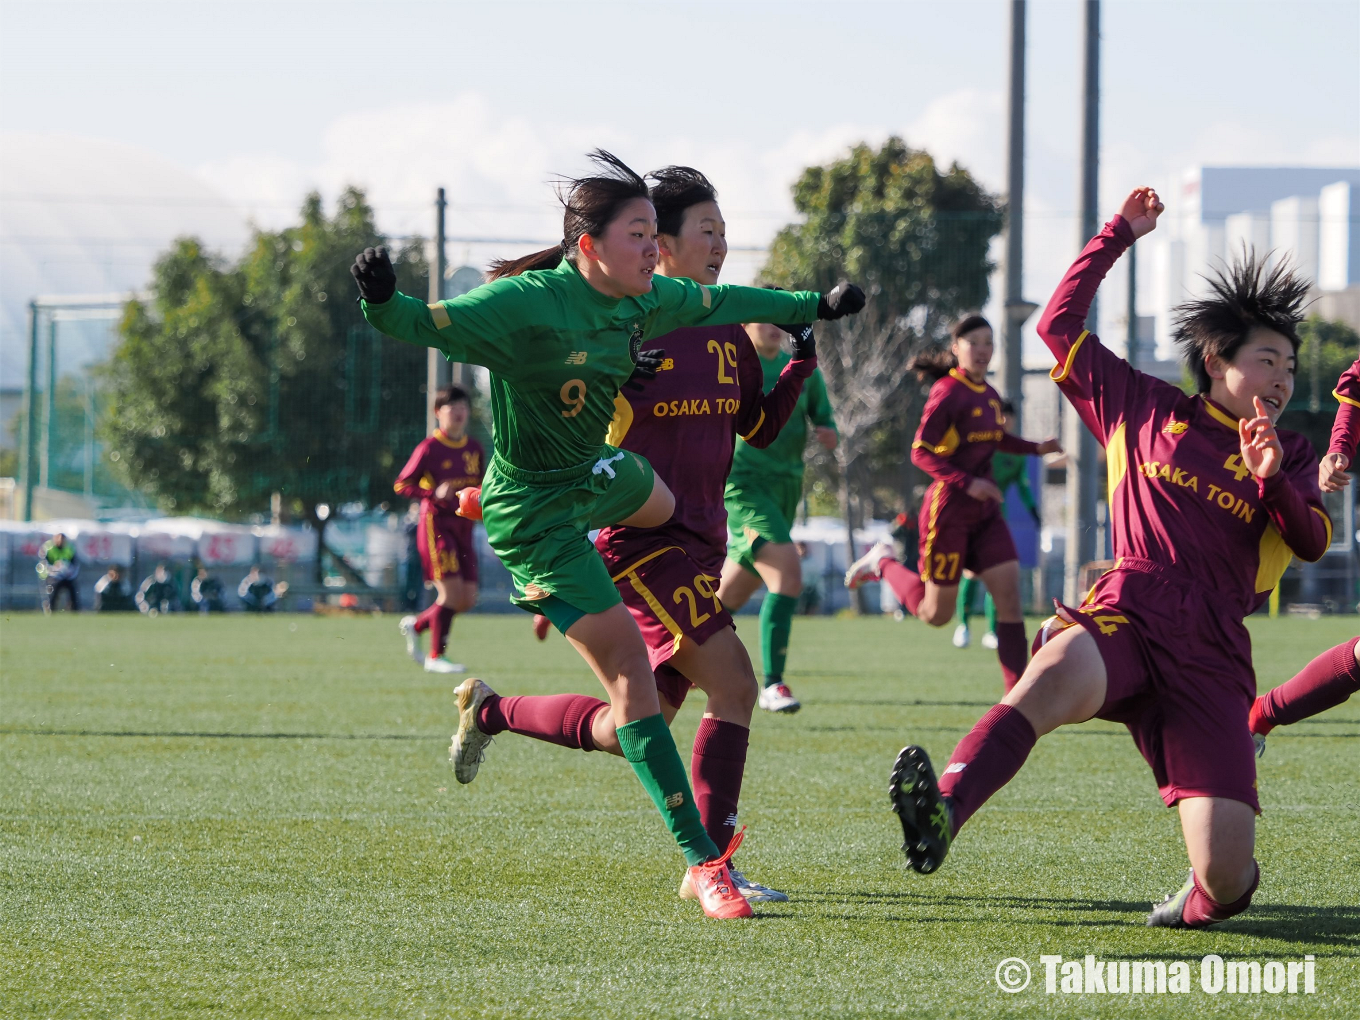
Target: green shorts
point(759, 513)
point(536, 523)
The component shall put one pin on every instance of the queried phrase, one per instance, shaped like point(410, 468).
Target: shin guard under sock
point(1012, 649)
point(986, 760)
point(650, 749)
point(562, 719)
point(1201, 909)
point(718, 764)
point(1324, 683)
point(906, 584)
point(439, 630)
point(776, 623)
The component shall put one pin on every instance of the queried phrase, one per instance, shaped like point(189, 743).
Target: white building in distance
point(1310, 215)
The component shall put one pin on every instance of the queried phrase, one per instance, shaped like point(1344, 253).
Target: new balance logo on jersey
point(1175, 428)
point(674, 800)
point(731, 820)
point(577, 357)
point(667, 364)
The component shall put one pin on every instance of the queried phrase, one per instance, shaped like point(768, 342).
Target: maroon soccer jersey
point(1346, 430)
point(438, 459)
point(1179, 494)
point(960, 430)
point(685, 422)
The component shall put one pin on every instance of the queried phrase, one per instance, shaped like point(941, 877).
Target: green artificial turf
point(256, 817)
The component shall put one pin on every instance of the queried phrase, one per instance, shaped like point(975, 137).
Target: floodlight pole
point(1081, 446)
point(438, 370)
point(1017, 309)
point(31, 413)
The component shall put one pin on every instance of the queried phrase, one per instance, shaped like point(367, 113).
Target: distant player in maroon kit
point(447, 461)
point(1333, 676)
point(685, 423)
point(961, 525)
point(1207, 503)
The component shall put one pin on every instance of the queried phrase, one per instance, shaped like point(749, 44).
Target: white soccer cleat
point(754, 892)
point(865, 569)
point(989, 640)
point(407, 626)
point(778, 698)
point(469, 743)
point(443, 665)
point(963, 637)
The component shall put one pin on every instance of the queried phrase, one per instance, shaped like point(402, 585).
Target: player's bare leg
point(780, 569)
point(1220, 837)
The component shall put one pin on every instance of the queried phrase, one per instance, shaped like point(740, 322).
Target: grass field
point(256, 817)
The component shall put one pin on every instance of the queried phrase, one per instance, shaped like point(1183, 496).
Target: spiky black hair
point(1243, 297)
point(674, 190)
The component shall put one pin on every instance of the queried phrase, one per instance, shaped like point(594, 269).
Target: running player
point(685, 423)
point(1207, 502)
point(962, 527)
point(560, 331)
point(1334, 675)
point(762, 498)
point(1007, 469)
point(442, 464)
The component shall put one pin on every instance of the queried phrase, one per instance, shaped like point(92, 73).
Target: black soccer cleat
point(1170, 913)
point(923, 812)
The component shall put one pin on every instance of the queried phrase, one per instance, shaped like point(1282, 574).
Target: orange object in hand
point(470, 502)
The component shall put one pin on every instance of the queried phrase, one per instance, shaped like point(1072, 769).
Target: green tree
point(1328, 349)
point(236, 381)
point(916, 238)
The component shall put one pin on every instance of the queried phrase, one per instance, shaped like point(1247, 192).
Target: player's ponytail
point(933, 364)
point(590, 204)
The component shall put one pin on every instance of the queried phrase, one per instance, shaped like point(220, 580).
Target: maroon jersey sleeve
point(937, 437)
point(1102, 386)
point(1293, 501)
point(414, 481)
point(1014, 444)
point(1346, 430)
point(762, 415)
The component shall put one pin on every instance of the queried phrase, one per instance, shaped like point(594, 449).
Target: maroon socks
point(905, 584)
point(562, 719)
point(1012, 649)
point(986, 760)
point(717, 768)
point(1324, 683)
point(438, 620)
point(1201, 909)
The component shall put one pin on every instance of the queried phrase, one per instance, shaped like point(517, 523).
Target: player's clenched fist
point(1332, 475)
point(373, 272)
point(1141, 210)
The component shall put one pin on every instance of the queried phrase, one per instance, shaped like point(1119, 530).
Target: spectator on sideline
point(158, 593)
point(111, 593)
point(208, 592)
point(258, 592)
point(58, 567)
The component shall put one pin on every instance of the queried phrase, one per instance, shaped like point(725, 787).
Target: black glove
point(802, 341)
point(373, 272)
point(841, 300)
point(645, 366)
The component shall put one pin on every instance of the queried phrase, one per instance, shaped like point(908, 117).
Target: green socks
point(650, 749)
point(776, 621)
point(964, 606)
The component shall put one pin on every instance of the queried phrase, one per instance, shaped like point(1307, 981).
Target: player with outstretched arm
point(962, 526)
point(1208, 501)
point(560, 331)
point(441, 465)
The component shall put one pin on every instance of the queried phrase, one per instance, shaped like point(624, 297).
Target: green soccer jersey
point(558, 349)
point(784, 457)
point(1013, 469)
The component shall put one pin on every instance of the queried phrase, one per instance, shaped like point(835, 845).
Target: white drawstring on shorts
point(602, 465)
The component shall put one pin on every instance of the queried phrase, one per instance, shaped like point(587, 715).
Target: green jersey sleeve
point(818, 404)
point(474, 328)
point(681, 302)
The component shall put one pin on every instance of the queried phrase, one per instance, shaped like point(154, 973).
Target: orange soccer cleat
point(713, 883)
point(470, 502)
point(541, 625)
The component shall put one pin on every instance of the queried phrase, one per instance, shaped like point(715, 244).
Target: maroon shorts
point(1179, 676)
point(961, 533)
point(446, 548)
point(672, 594)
